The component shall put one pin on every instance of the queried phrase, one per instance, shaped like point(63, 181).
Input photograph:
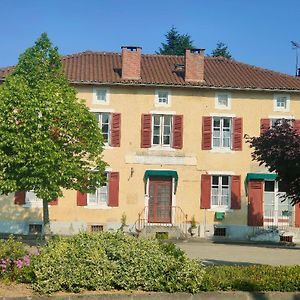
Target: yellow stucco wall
point(132, 102)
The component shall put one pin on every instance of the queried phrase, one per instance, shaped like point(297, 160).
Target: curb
point(168, 296)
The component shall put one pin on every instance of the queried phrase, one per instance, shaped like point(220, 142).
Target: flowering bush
point(14, 261)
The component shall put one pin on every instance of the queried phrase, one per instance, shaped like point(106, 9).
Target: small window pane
point(156, 140)
point(281, 102)
point(223, 100)
point(225, 180)
point(226, 122)
point(215, 180)
point(217, 122)
point(101, 94)
point(269, 186)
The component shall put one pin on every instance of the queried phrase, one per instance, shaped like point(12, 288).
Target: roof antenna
point(296, 47)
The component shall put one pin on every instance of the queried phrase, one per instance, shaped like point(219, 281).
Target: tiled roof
point(104, 67)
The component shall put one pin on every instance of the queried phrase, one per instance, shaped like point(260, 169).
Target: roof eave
point(162, 85)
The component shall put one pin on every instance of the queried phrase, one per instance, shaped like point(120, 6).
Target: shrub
point(14, 261)
point(252, 278)
point(114, 261)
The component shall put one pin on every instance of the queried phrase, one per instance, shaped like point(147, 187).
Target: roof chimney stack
point(131, 62)
point(194, 65)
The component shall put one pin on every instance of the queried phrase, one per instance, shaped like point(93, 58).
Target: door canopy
point(258, 176)
point(161, 173)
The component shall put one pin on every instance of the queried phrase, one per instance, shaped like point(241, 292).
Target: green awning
point(161, 173)
point(258, 176)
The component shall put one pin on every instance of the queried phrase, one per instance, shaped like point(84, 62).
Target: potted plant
point(124, 226)
point(193, 228)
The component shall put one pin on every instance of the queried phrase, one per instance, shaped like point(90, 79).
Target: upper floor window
point(162, 130)
point(100, 95)
point(100, 197)
point(110, 125)
point(32, 199)
point(279, 121)
point(223, 100)
point(222, 131)
point(162, 98)
point(220, 191)
point(281, 102)
point(104, 122)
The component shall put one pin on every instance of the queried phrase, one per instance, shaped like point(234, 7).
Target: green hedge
point(252, 278)
point(114, 261)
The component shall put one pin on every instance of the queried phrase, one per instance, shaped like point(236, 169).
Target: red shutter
point(115, 130)
point(206, 133)
point(81, 199)
point(146, 130)
point(237, 134)
point(113, 186)
point(205, 191)
point(296, 125)
point(177, 131)
point(20, 198)
point(297, 215)
point(264, 125)
point(255, 203)
point(53, 202)
point(235, 192)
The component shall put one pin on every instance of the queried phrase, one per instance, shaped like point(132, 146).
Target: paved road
point(229, 254)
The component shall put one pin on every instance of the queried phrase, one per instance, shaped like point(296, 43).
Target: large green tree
point(221, 50)
point(49, 140)
point(176, 43)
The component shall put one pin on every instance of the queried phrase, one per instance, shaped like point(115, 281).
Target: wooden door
point(160, 200)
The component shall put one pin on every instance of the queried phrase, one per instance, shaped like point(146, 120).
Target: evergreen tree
point(221, 50)
point(176, 43)
point(49, 140)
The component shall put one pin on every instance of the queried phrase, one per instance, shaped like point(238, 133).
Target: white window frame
point(275, 99)
point(161, 134)
point(95, 92)
point(31, 200)
point(218, 105)
point(220, 187)
point(162, 104)
point(107, 143)
point(221, 133)
point(98, 203)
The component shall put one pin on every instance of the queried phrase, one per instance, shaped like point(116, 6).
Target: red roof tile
point(105, 68)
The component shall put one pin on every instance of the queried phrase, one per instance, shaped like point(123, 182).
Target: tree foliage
point(49, 140)
point(221, 50)
point(279, 150)
point(176, 43)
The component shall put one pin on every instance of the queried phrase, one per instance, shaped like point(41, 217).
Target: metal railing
point(176, 217)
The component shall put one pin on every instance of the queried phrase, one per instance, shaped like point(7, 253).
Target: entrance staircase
point(177, 228)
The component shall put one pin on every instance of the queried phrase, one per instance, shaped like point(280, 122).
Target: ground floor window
point(220, 191)
point(100, 197)
point(277, 210)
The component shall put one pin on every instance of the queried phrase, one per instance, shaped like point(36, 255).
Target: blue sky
point(257, 32)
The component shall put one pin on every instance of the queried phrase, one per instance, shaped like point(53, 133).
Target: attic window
point(179, 67)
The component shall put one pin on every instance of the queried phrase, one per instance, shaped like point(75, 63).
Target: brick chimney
point(131, 62)
point(194, 65)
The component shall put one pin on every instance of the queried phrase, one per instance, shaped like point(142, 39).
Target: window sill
point(33, 205)
point(220, 209)
point(97, 207)
point(222, 150)
point(161, 148)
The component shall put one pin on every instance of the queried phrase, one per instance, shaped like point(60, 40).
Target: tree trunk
point(46, 220)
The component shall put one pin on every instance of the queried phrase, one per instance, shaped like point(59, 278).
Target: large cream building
point(174, 128)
